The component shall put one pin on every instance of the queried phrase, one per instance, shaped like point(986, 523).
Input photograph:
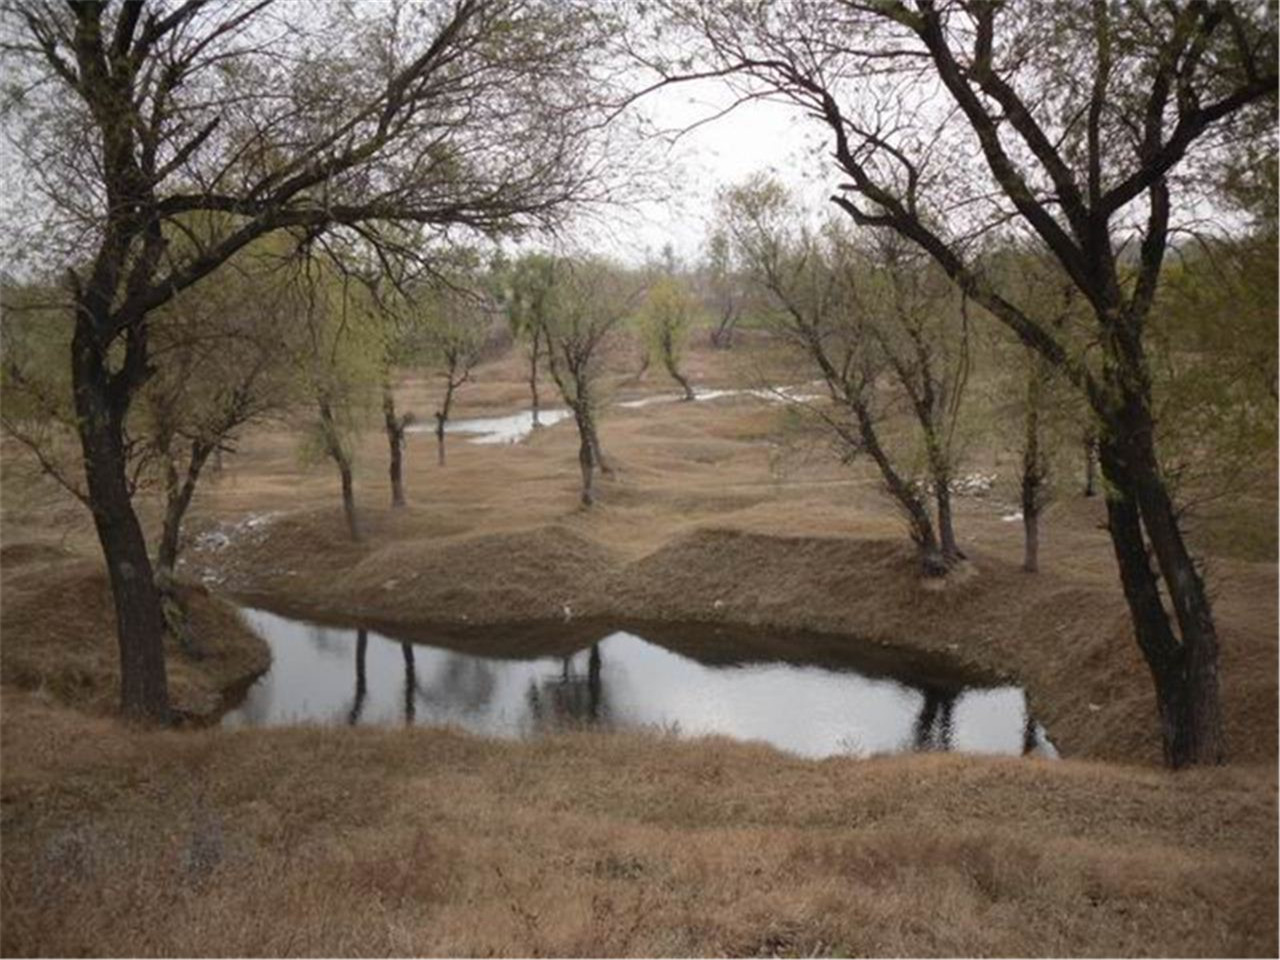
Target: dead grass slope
point(415, 842)
point(57, 621)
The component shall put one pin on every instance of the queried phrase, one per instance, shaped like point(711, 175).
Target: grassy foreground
point(119, 841)
point(347, 842)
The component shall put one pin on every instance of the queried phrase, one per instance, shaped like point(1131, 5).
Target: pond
point(338, 675)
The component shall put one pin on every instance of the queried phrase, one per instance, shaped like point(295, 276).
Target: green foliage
point(667, 316)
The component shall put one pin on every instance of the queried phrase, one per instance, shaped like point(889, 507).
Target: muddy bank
point(58, 624)
point(1069, 644)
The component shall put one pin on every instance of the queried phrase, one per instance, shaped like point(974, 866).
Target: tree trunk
point(920, 526)
point(669, 361)
point(348, 498)
point(1184, 671)
point(1032, 472)
point(586, 454)
point(1031, 539)
point(395, 440)
point(144, 688)
point(951, 553)
point(177, 499)
point(1090, 465)
point(440, 422)
point(533, 375)
point(722, 335)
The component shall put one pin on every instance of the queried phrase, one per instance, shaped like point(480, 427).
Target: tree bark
point(144, 687)
point(348, 498)
point(920, 526)
point(1090, 465)
point(586, 456)
point(1184, 671)
point(1032, 470)
point(669, 361)
point(534, 354)
point(395, 440)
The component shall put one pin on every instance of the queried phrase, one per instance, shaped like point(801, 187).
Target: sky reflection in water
point(340, 675)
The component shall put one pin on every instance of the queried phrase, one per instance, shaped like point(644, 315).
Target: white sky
point(756, 136)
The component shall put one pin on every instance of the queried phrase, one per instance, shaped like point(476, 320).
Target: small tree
point(337, 356)
point(589, 299)
point(528, 302)
point(668, 313)
point(455, 329)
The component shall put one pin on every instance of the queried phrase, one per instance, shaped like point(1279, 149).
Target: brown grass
point(366, 842)
point(58, 625)
point(344, 842)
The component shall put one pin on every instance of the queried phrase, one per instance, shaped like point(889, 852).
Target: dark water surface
point(339, 675)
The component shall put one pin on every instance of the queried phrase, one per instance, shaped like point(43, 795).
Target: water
point(336, 675)
point(507, 429)
point(514, 427)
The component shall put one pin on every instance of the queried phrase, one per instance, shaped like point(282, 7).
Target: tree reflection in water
point(934, 727)
point(570, 698)
point(362, 682)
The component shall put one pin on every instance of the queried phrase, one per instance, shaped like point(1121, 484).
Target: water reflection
point(623, 680)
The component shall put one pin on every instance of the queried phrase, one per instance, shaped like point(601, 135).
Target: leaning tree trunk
point(669, 361)
point(1184, 668)
point(920, 526)
point(395, 440)
point(144, 687)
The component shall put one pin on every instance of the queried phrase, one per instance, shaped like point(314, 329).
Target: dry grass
point(58, 625)
point(366, 842)
point(326, 841)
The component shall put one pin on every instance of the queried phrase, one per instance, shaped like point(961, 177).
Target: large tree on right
point(1091, 128)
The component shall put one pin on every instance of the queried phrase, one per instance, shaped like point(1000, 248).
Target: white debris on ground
point(251, 528)
point(974, 484)
point(1012, 517)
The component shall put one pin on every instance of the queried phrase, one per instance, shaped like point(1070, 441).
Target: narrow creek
point(339, 675)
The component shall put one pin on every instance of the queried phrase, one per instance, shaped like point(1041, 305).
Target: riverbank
point(58, 624)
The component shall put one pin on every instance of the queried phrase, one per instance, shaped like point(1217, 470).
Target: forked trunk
point(919, 525)
point(144, 687)
point(1184, 668)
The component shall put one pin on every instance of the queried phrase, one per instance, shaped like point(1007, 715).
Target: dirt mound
point(811, 582)
point(68, 650)
point(521, 575)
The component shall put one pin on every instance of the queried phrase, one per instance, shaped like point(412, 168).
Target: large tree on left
point(158, 139)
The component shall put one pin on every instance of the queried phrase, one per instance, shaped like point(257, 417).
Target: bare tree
point(819, 283)
point(1072, 125)
point(135, 123)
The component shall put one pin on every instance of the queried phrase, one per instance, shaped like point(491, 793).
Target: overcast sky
point(755, 136)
